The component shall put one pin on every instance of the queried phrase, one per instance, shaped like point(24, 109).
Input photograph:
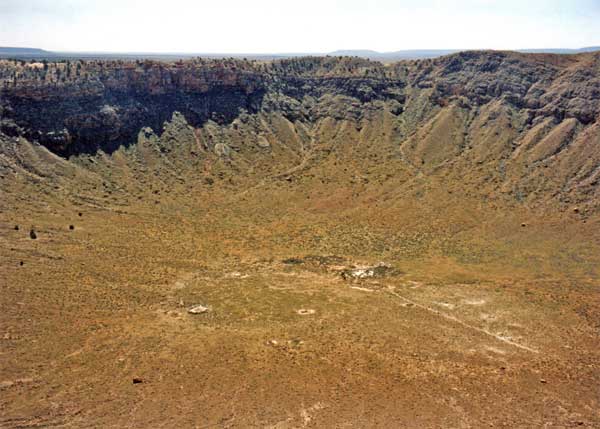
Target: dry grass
point(482, 322)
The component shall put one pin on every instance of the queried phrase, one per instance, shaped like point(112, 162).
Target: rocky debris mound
point(341, 266)
point(368, 272)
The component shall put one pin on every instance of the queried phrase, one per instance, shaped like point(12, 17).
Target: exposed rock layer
point(525, 125)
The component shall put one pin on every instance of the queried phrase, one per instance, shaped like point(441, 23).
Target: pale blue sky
point(235, 26)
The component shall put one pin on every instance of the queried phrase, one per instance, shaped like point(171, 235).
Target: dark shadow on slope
point(86, 124)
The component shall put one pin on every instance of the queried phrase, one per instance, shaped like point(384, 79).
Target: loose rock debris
point(364, 272)
point(198, 309)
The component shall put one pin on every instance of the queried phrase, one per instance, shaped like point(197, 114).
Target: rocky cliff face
point(524, 125)
point(106, 105)
point(541, 85)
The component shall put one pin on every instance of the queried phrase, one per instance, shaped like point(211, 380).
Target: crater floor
point(488, 324)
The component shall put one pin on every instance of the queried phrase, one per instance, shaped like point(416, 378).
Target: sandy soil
point(493, 327)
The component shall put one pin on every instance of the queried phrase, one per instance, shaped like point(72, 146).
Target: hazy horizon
point(283, 53)
point(233, 26)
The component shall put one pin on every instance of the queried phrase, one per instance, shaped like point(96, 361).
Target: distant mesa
point(10, 51)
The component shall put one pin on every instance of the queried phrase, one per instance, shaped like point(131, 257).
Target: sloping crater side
point(520, 125)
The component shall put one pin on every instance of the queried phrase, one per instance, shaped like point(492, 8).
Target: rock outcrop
point(106, 104)
point(500, 123)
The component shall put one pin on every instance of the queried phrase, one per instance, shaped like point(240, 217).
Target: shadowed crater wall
point(84, 107)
